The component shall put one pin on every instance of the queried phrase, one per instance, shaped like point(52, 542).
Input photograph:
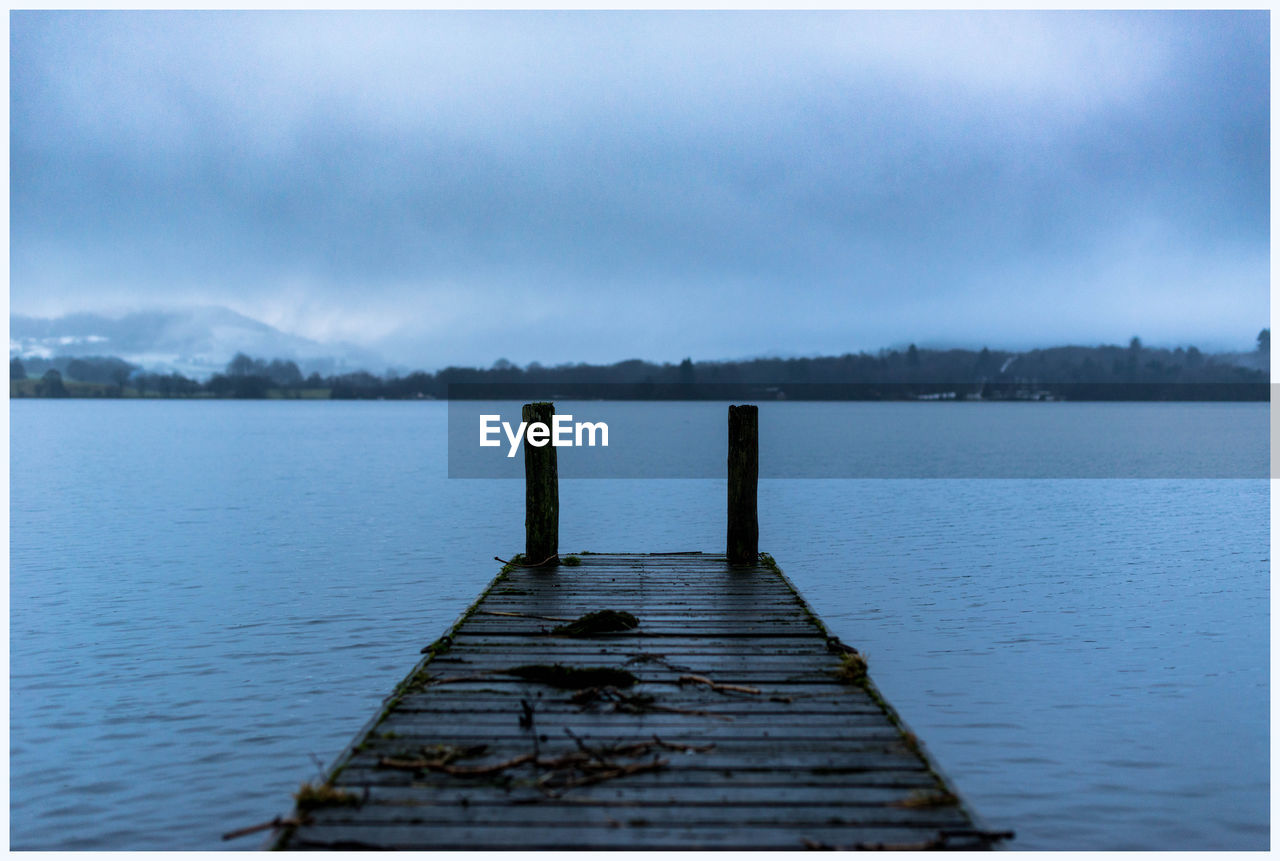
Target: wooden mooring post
point(743, 539)
point(541, 490)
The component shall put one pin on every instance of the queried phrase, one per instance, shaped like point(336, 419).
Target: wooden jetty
point(636, 701)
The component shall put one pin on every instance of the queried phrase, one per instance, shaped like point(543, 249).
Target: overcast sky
point(455, 187)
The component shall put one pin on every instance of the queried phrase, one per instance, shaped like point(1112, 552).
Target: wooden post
point(541, 491)
point(744, 469)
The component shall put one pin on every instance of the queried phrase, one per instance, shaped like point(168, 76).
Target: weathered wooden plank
point(769, 625)
point(641, 663)
point(808, 752)
point(553, 713)
point(619, 655)
point(727, 631)
point(646, 611)
point(546, 814)
point(796, 645)
point(412, 738)
point(633, 645)
point(645, 640)
point(702, 783)
point(777, 687)
point(869, 771)
point(904, 788)
point(629, 834)
point(656, 589)
point(767, 710)
point(719, 672)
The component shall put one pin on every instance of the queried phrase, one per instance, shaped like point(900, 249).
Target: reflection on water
point(206, 598)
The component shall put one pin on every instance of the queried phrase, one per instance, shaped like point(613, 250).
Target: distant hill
point(195, 342)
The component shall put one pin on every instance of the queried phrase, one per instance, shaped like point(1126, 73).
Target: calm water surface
point(207, 599)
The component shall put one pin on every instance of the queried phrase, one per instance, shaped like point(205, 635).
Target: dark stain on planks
point(738, 732)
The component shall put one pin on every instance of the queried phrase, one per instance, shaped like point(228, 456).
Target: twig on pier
point(717, 686)
point(475, 770)
point(439, 755)
point(474, 677)
point(636, 703)
point(524, 565)
point(677, 711)
point(278, 822)
point(586, 766)
point(591, 765)
point(443, 764)
point(522, 615)
point(638, 748)
point(696, 713)
point(586, 760)
point(608, 773)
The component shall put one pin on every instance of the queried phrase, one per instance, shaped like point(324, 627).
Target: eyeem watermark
point(564, 431)
point(811, 435)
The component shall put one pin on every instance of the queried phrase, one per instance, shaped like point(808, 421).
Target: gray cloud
point(655, 185)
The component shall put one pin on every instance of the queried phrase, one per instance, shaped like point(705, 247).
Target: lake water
point(209, 598)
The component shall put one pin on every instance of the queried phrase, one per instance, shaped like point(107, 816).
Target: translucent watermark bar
point(808, 432)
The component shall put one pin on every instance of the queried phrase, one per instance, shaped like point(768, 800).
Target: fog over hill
point(196, 341)
point(199, 341)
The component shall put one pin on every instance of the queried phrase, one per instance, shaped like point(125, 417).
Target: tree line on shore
point(1130, 372)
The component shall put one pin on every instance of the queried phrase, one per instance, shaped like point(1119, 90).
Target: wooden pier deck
point(725, 719)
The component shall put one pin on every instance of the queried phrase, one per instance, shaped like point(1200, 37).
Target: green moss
point(911, 741)
point(928, 798)
point(311, 796)
point(853, 668)
point(439, 647)
point(415, 682)
point(571, 561)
